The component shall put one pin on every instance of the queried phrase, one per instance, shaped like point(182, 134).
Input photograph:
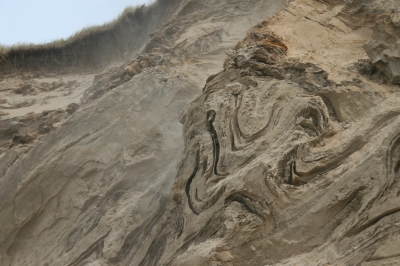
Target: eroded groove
point(190, 180)
point(95, 247)
point(373, 221)
point(210, 119)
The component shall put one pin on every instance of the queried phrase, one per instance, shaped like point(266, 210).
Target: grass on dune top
point(59, 43)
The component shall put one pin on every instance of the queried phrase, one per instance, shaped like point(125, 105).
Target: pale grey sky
point(42, 21)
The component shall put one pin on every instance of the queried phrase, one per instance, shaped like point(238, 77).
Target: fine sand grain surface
point(231, 133)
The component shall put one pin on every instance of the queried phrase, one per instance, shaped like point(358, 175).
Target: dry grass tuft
point(91, 47)
point(58, 43)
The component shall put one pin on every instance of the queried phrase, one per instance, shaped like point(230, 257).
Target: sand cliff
point(240, 133)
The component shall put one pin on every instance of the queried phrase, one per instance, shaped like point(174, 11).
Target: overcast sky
point(41, 21)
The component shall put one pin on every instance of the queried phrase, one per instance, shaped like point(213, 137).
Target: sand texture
point(242, 133)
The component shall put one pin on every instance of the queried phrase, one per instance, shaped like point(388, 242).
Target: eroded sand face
point(94, 186)
point(289, 154)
